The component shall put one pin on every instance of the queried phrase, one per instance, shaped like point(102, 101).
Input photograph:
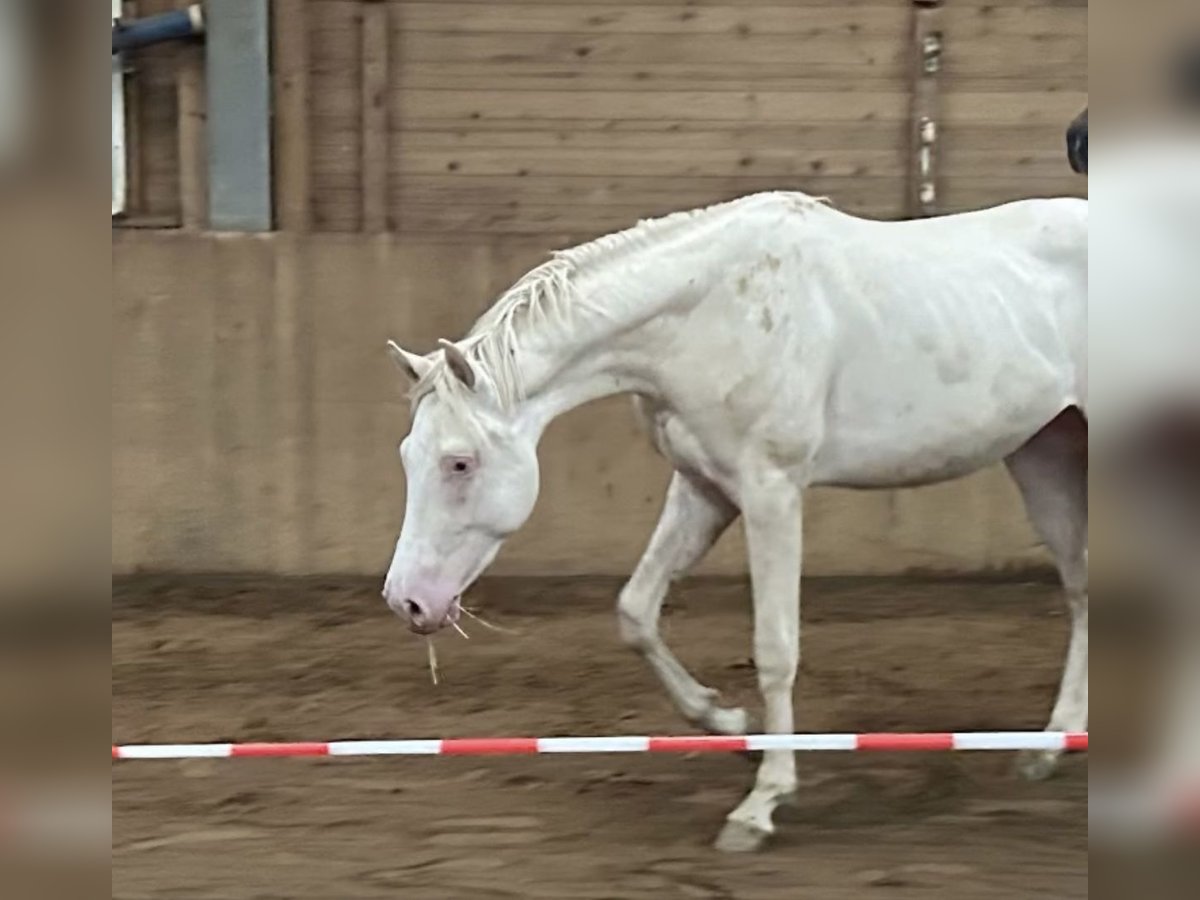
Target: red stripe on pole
point(116, 752)
point(901, 741)
point(304, 748)
point(488, 746)
point(1077, 741)
point(699, 743)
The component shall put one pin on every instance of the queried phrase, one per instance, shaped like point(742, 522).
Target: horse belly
point(912, 430)
point(916, 464)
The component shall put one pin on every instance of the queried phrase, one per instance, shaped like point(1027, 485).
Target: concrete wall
point(255, 418)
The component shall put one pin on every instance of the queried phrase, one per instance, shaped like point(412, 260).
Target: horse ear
point(458, 363)
point(414, 367)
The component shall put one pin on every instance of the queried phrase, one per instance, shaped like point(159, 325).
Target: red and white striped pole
point(515, 746)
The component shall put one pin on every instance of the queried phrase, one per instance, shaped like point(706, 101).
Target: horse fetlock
point(724, 720)
point(704, 712)
point(749, 826)
point(779, 788)
point(1037, 765)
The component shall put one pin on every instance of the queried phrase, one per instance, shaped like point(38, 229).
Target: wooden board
point(193, 144)
point(704, 162)
point(374, 106)
point(680, 133)
point(999, 108)
point(827, 106)
point(730, 19)
point(153, 117)
point(335, 53)
point(1040, 75)
point(708, 49)
point(290, 64)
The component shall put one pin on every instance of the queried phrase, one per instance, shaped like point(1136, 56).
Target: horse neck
point(609, 347)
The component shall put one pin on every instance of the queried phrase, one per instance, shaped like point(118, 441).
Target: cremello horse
point(771, 343)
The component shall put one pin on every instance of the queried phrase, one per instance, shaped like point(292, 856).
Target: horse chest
point(688, 448)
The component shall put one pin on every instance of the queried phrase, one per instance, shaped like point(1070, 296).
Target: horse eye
point(460, 465)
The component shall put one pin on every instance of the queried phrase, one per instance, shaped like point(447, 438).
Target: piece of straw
point(486, 624)
point(433, 664)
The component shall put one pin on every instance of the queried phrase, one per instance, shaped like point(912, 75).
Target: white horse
point(771, 343)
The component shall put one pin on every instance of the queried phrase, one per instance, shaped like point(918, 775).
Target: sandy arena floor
point(214, 659)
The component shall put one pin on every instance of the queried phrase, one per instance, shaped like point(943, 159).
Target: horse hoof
point(739, 837)
point(1037, 765)
point(719, 720)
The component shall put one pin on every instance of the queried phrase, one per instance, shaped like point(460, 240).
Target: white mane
point(547, 295)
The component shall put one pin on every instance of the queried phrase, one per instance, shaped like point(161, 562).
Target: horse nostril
point(413, 609)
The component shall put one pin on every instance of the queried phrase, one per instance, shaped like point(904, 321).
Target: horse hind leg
point(694, 516)
point(1051, 471)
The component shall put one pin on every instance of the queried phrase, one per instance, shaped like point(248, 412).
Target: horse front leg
point(772, 515)
point(694, 515)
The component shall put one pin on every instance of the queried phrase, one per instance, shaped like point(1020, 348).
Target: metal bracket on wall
point(924, 130)
point(175, 25)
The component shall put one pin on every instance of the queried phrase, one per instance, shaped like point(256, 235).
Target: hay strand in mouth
point(488, 625)
point(459, 629)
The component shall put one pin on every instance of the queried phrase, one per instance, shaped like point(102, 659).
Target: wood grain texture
point(135, 186)
point(743, 20)
point(374, 107)
point(512, 115)
point(153, 123)
point(192, 131)
point(335, 64)
point(292, 138)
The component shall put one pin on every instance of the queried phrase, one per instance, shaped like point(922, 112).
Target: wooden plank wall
point(152, 114)
point(570, 118)
point(1013, 71)
point(579, 117)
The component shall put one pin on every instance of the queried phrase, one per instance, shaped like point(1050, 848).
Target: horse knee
point(777, 676)
point(776, 685)
point(637, 628)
